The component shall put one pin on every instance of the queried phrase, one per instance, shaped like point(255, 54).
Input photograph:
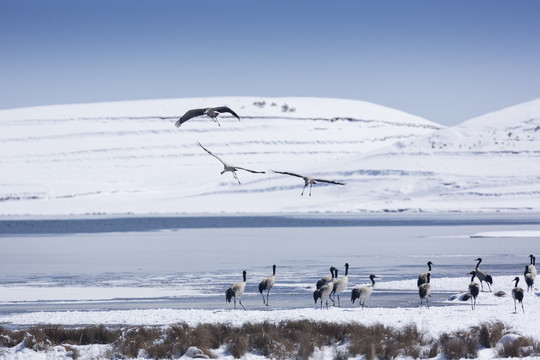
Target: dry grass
point(285, 340)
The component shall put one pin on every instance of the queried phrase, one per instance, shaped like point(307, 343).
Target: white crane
point(532, 266)
point(326, 279)
point(529, 278)
point(474, 289)
point(517, 294)
point(422, 278)
point(267, 285)
point(229, 167)
point(324, 291)
point(341, 284)
point(362, 293)
point(236, 291)
point(483, 276)
point(210, 112)
point(308, 180)
point(424, 291)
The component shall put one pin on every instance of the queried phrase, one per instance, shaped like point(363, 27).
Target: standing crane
point(483, 276)
point(362, 293)
point(424, 291)
point(422, 278)
point(341, 284)
point(267, 285)
point(517, 294)
point(474, 289)
point(236, 291)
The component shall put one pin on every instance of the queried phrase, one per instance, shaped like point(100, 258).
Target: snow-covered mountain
point(488, 163)
point(128, 157)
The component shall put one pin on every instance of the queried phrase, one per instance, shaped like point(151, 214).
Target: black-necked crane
point(483, 276)
point(532, 266)
point(326, 279)
point(422, 278)
point(236, 291)
point(340, 284)
point(308, 180)
point(517, 294)
point(529, 279)
point(325, 290)
point(474, 289)
point(267, 285)
point(362, 293)
point(424, 291)
point(210, 112)
point(229, 167)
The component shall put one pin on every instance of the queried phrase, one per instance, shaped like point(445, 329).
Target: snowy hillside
point(128, 157)
point(488, 163)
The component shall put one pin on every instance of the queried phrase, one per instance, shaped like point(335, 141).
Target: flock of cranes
point(328, 287)
point(213, 113)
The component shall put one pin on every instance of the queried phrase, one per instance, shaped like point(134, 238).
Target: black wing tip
point(226, 109)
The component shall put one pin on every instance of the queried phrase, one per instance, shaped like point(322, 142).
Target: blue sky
point(447, 61)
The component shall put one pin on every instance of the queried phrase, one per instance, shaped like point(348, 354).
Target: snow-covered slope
point(489, 163)
point(127, 157)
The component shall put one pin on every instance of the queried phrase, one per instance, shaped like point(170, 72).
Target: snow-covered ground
point(127, 157)
point(431, 322)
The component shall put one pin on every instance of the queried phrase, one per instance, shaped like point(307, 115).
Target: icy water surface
point(189, 262)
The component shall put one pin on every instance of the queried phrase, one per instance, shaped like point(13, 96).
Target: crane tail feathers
point(229, 294)
point(355, 294)
point(316, 295)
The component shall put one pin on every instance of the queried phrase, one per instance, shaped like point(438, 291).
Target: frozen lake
point(106, 263)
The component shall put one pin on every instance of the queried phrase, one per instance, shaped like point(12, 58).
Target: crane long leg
point(303, 190)
point(267, 296)
point(236, 177)
point(240, 301)
point(310, 185)
point(263, 298)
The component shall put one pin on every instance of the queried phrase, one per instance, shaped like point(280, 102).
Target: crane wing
point(222, 109)
point(288, 173)
point(211, 153)
point(251, 171)
point(188, 115)
point(329, 181)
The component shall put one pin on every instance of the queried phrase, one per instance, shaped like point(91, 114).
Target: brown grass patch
point(284, 340)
